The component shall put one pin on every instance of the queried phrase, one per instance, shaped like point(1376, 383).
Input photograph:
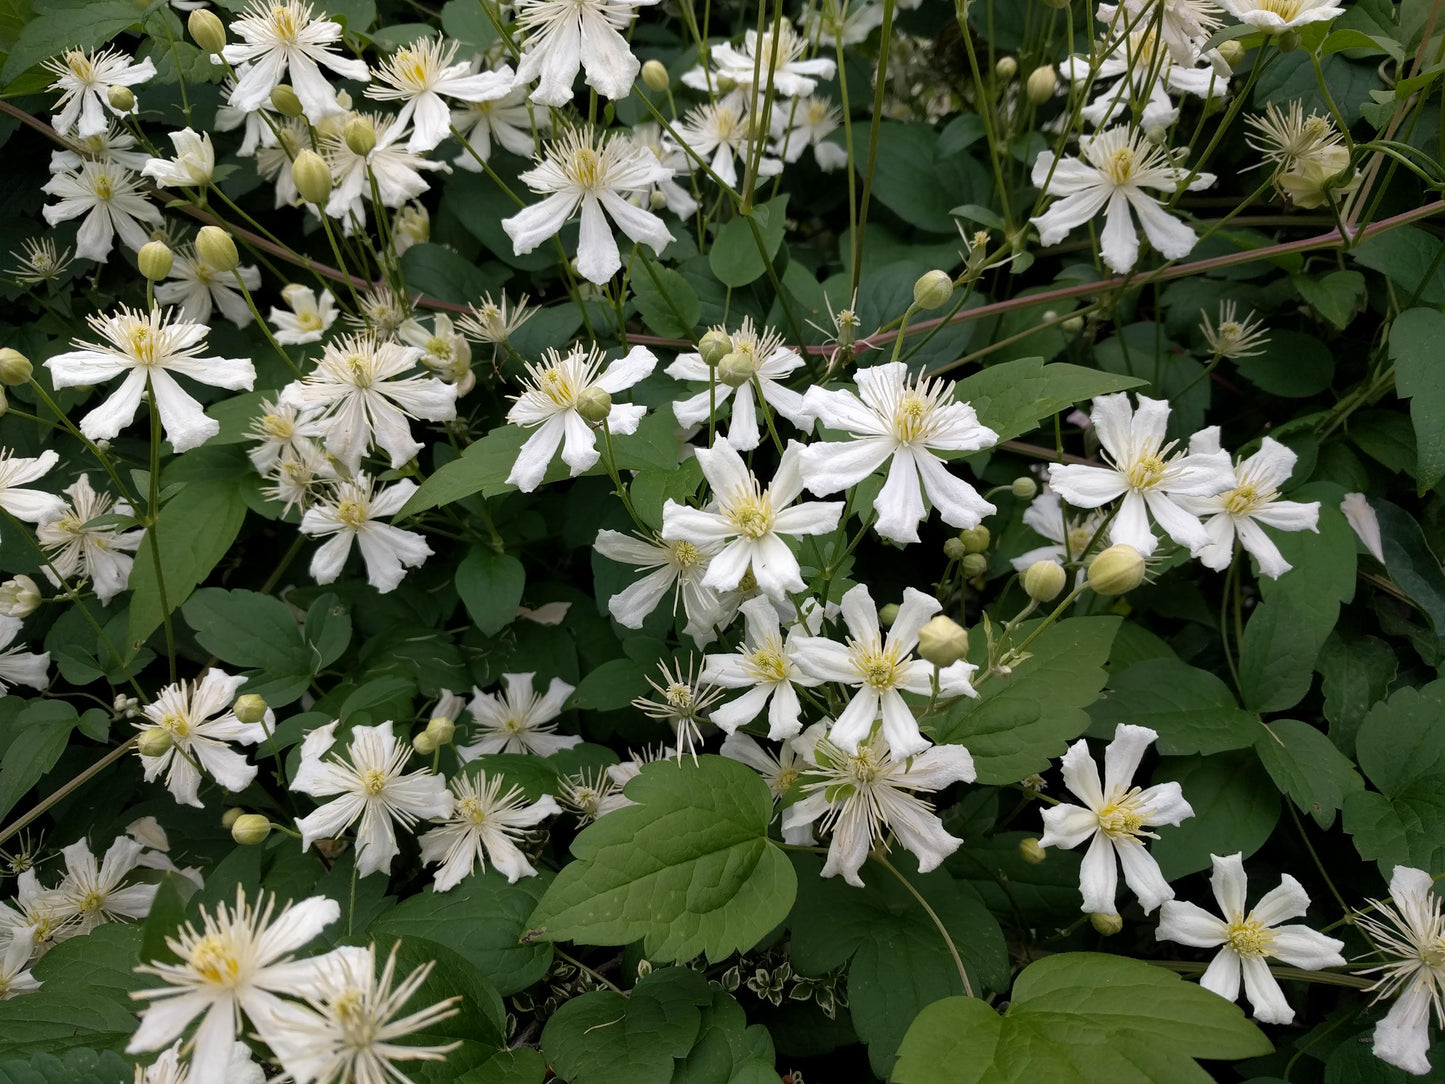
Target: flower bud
point(121, 98)
point(1288, 41)
point(1023, 487)
point(888, 614)
point(975, 539)
point(207, 31)
point(1041, 84)
point(424, 744)
point(1232, 52)
point(4, 403)
point(1031, 851)
point(1043, 580)
point(714, 346)
point(736, 369)
point(19, 597)
point(231, 816)
point(1116, 571)
point(214, 245)
point(954, 550)
point(250, 829)
point(155, 259)
point(943, 641)
point(932, 290)
point(312, 176)
point(1006, 68)
point(285, 102)
point(654, 74)
point(249, 708)
point(360, 135)
point(1072, 326)
point(440, 729)
point(594, 405)
point(1108, 925)
point(153, 741)
point(15, 368)
point(974, 565)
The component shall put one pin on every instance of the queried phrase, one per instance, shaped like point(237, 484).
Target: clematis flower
point(371, 787)
point(110, 198)
point(808, 123)
point(15, 975)
point(19, 667)
point(84, 80)
point(753, 66)
point(101, 554)
point(198, 718)
point(1277, 16)
point(1144, 474)
point(352, 512)
point(197, 287)
point(148, 347)
point(1246, 939)
point(881, 670)
point(395, 169)
point(1114, 816)
point(31, 505)
point(281, 35)
point(726, 133)
point(750, 520)
point(485, 824)
point(96, 891)
point(1184, 25)
point(1133, 71)
point(419, 75)
point(508, 120)
point(518, 721)
point(1070, 534)
point(1410, 931)
point(765, 667)
point(1116, 166)
point(679, 566)
point(193, 165)
point(310, 317)
point(669, 193)
point(563, 36)
point(283, 432)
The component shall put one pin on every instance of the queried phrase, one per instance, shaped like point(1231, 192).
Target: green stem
point(942, 929)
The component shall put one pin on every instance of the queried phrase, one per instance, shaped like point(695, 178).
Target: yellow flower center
point(1239, 501)
point(177, 724)
point(1432, 953)
point(1146, 472)
point(586, 167)
point(278, 426)
point(1079, 539)
point(311, 321)
point(679, 695)
point(283, 22)
point(786, 778)
point(512, 725)
point(360, 368)
point(1285, 9)
point(92, 902)
point(1249, 937)
point(102, 187)
point(1120, 166)
point(439, 348)
point(685, 554)
point(214, 960)
point(351, 513)
point(817, 113)
point(80, 65)
point(879, 668)
point(751, 514)
point(768, 663)
point(144, 343)
point(373, 780)
point(1122, 816)
point(910, 417)
point(471, 811)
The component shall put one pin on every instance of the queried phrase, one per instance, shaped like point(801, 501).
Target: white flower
point(169, 1069)
point(100, 553)
point(1132, 73)
point(31, 505)
point(1275, 16)
point(278, 35)
point(550, 402)
point(237, 962)
point(392, 166)
point(1143, 473)
point(197, 287)
point(351, 511)
point(15, 977)
point(200, 722)
point(594, 173)
point(684, 706)
point(751, 520)
point(808, 123)
point(1255, 497)
point(193, 164)
point(446, 350)
point(420, 74)
point(780, 772)
point(864, 795)
point(95, 890)
point(679, 566)
point(490, 322)
point(1231, 337)
point(283, 431)
point(518, 721)
point(19, 596)
point(85, 80)
point(298, 473)
point(1362, 520)
point(772, 362)
point(765, 667)
point(1071, 534)
point(508, 120)
point(18, 667)
point(591, 794)
point(903, 420)
point(724, 132)
point(114, 144)
point(346, 1032)
point(1411, 929)
point(364, 399)
point(372, 789)
point(1117, 165)
point(565, 35)
point(668, 192)
point(309, 318)
point(109, 196)
point(148, 347)
point(881, 670)
point(1183, 24)
point(1246, 939)
point(1115, 816)
point(40, 918)
point(753, 65)
point(274, 159)
point(485, 824)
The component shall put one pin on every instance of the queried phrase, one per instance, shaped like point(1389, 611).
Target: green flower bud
point(715, 345)
point(1232, 52)
point(1108, 925)
point(360, 135)
point(207, 31)
point(1024, 488)
point(284, 99)
point(1287, 41)
point(154, 260)
point(888, 614)
point(1072, 326)
point(424, 744)
point(736, 369)
point(594, 405)
point(932, 290)
point(954, 549)
point(440, 729)
point(1041, 84)
point(214, 245)
point(1006, 68)
point(654, 74)
point(153, 741)
point(1116, 571)
point(975, 539)
point(1043, 580)
point(943, 641)
point(122, 98)
point(251, 829)
point(230, 816)
point(15, 368)
point(312, 176)
point(250, 708)
point(974, 565)
point(1031, 851)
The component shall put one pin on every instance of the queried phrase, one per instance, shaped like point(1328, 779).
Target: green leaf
point(327, 631)
point(33, 742)
point(1014, 397)
point(1337, 296)
point(1404, 255)
point(1018, 723)
point(1193, 711)
point(1081, 1017)
point(1415, 339)
point(482, 1018)
point(920, 177)
point(897, 959)
point(689, 869)
point(1235, 809)
point(79, 1066)
point(727, 1049)
point(1306, 766)
point(482, 468)
point(521, 1065)
point(58, 25)
point(1011, 886)
point(734, 256)
point(466, 20)
point(1411, 563)
point(491, 585)
point(665, 301)
point(613, 685)
point(1356, 673)
point(247, 629)
point(1291, 364)
point(440, 273)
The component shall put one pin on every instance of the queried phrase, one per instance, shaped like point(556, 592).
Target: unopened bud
point(440, 729)
point(1108, 925)
point(736, 369)
point(714, 346)
point(231, 816)
point(15, 368)
point(154, 260)
point(360, 135)
point(424, 744)
point(4, 403)
point(153, 741)
point(975, 539)
point(1072, 326)
point(654, 74)
point(285, 101)
point(1288, 41)
point(1043, 580)
point(954, 549)
point(974, 565)
point(1232, 52)
point(214, 245)
point(249, 708)
point(207, 31)
point(594, 405)
point(725, 83)
point(1023, 487)
point(1006, 68)
point(312, 177)
point(1042, 83)
point(121, 98)
point(1116, 571)
point(888, 614)
point(251, 829)
point(1031, 851)
point(932, 290)
point(19, 597)
point(943, 641)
